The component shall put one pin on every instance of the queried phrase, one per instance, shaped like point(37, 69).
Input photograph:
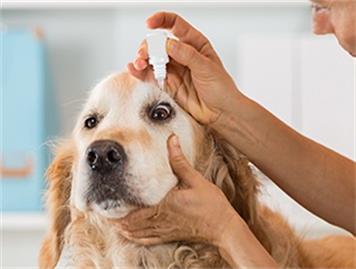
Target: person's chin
point(348, 43)
point(351, 51)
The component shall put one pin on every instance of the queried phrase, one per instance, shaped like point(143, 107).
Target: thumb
point(185, 54)
point(179, 163)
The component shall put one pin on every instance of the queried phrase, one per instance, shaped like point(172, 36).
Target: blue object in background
point(27, 120)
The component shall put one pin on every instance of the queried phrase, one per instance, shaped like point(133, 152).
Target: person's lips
point(321, 19)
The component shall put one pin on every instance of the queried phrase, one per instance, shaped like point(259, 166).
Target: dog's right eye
point(91, 122)
point(161, 112)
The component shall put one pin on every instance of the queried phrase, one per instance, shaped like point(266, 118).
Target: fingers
point(139, 74)
point(138, 68)
point(182, 54)
point(147, 232)
point(144, 75)
point(142, 51)
point(180, 165)
point(139, 216)
point(149, 241)
point(179, 27)
point(141, 223)
point(148, 236)
point(186, 55)
point(140, 62)
point(144, 227)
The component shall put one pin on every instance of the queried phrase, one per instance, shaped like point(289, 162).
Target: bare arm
point(237, 245)
point(320, 179)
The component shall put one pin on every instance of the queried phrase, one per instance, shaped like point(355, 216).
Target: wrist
point(243, 124)
point(228, 109)
point(228, 239)
point(234, 121)
point(241, 249)
point(233, 226)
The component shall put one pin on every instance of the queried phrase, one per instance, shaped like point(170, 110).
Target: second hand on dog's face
point(121, 156)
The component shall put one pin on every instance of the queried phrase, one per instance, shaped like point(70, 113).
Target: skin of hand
point(336, 17)
point(198, 211)
point(320, 179)
point(196, 89)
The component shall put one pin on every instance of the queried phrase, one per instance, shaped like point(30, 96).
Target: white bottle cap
point(157, 54)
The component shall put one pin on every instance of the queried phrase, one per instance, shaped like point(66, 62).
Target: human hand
point(199, 211)
point(196, 78)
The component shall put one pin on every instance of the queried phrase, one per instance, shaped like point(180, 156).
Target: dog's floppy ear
point(230, 171)
point(59, 175)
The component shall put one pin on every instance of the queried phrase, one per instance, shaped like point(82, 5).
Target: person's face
point(336, 17)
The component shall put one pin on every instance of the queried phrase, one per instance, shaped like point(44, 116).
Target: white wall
point(307, 81)
point(257, 44)
point(86, 44)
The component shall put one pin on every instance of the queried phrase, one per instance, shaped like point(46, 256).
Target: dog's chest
point(132, 256)
point(101, 246)
point(122, 254)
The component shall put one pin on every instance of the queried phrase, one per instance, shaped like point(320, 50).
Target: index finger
point(179, 27)
point(139, 215)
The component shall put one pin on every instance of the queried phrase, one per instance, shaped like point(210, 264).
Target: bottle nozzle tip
point(161, 84)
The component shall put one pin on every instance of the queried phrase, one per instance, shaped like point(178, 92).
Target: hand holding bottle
point(196, 77)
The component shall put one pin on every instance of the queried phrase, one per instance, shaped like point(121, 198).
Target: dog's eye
point(161, 112)
point(91, 122)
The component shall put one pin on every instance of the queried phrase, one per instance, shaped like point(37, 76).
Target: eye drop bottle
point(157, 54)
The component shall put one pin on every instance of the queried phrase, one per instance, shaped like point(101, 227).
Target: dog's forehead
point(119, 86)
point(122, 91)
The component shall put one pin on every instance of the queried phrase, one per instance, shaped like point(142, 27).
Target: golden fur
point(59, 175)
point(95, 241)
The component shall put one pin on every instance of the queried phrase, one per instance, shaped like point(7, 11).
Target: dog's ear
point(230, 171)
point(59, 175)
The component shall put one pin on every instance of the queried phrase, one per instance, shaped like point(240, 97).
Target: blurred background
point(53, 54)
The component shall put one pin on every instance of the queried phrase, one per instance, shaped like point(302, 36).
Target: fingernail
point(140, 64)
point(175, 141)
point(140, 53)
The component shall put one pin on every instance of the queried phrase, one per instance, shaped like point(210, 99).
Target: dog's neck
point(95, 242)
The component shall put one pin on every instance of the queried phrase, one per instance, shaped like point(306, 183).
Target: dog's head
point(121, 154)
point(117, 159)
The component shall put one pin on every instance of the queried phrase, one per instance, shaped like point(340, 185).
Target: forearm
point(241, 249)
point(320, 179)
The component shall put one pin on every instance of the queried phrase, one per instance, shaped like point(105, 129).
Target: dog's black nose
point(104, 156)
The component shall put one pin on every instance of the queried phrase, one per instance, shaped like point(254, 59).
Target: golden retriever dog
point(116, 161)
